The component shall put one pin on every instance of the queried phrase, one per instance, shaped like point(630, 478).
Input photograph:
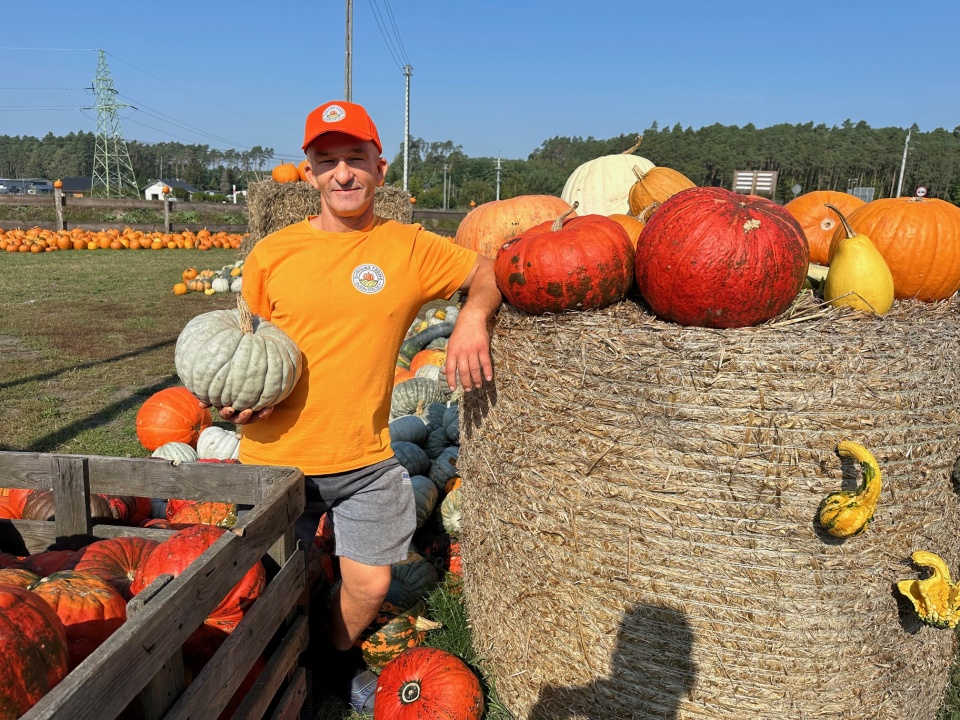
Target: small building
point(76, 186)
point(25, 186)
point(154, 191)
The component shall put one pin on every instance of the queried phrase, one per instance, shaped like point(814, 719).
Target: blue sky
point(497, 78)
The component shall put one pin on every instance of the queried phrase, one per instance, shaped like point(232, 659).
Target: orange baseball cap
point(340, 116)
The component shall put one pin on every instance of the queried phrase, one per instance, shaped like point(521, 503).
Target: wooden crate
point(140, 665)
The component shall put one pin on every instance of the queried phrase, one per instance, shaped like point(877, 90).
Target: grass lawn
point(87, 336)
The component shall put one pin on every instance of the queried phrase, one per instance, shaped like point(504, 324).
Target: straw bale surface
point(272, 206)
point(639, 502)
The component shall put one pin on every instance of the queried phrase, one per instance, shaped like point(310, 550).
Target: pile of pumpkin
point(288, 172)
point(37, 240)
point(706, 256)
point(229, 278)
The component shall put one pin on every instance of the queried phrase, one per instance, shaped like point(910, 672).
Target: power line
point(393, 42)
point(163, 117)
point(40, 88)
point(195, 95)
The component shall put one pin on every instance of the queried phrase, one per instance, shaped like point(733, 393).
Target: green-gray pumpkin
point(411, 456)
point(433, 415)
point(451, 423)
point(436, 442)
point(230, 358)
point(417, 392)
point(416, 573)
point(408, 428)
point(444, 467)
point(426, 494)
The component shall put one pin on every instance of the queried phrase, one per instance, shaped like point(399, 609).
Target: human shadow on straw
point(651, 673)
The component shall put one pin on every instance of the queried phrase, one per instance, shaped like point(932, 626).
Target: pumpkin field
point(695, 374)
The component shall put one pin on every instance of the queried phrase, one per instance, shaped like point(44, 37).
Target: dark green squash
point(411, 456)
point(408, 428)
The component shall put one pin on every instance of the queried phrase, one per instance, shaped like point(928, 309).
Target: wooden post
point(58, 206)
point(71, 498)
point(166, 213)
point(168, 684)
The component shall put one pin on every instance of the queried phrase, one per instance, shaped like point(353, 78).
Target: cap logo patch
point(333, 114)
point(368, 279)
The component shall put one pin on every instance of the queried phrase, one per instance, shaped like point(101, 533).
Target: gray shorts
point(373, 512)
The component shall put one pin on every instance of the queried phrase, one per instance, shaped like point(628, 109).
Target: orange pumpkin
point(488, 226)
point(285, 172)
point(632, 224)
point(189, 274)
point(429, 356)
point(180, 289)
point(171, 415)
point(302, 169)
point(655, 186)
point(919, 239)
point(90, 608)
point(58, 184)
point(819, 222)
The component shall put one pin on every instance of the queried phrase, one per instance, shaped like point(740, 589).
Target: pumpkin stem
point(636, 171)
point(409, 692)
point(246, 317)
point(633, 149)
point(846, 225)
point(558, 223)
point(645, 214)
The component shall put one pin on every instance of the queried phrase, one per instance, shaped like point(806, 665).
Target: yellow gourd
point(859, 276)
point(935, 597)
point(844, 514)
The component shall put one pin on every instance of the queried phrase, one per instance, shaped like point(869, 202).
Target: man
point(346, 285)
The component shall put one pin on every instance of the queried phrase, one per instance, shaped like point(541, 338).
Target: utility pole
point(408, 71)
point(903, 163)
point(498, 177)
point(445, 166)
point(348, 71)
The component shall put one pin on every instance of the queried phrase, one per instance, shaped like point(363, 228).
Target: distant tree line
point(815, 157)
point(72, 155)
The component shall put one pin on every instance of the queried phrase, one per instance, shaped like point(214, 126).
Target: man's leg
point(357, 600)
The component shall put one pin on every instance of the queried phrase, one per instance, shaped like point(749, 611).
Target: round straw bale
point(639, 502)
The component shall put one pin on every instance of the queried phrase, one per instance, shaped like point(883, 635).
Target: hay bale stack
point(639, 503)
point(272, 206)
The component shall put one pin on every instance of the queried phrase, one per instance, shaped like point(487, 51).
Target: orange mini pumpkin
point(302, 169)
point(285, 172)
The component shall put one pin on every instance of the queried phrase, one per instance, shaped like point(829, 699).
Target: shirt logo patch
point(368, 279)
point(333, 114)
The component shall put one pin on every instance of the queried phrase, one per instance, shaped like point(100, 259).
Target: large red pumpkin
point(488, 226)
point(709, 257)
point(90, 608)
point(33, 648)
point(115, 560)
point(581, 263)
point(174, 555)
point(820, 222)
point(171, 415)
point(920, 240)
point(427, 683)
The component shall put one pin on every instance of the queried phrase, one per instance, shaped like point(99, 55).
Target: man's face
point(346, 171)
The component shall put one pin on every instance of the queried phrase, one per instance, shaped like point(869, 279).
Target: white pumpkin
point(602, 186)
point(236, 284)
point(218, 444)
point(220, 284)
point(230, 358)
point(176, 452)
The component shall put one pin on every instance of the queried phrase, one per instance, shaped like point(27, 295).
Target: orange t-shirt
point(346, 299)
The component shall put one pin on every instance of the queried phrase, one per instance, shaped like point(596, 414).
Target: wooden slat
point(212, 689)
point(23, 537)
point(278, 669)
point(71, 500)
point(106, 682)
point(292, 699)
point(152, 477)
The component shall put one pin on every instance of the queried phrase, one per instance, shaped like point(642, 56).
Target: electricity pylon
point(113, 174)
